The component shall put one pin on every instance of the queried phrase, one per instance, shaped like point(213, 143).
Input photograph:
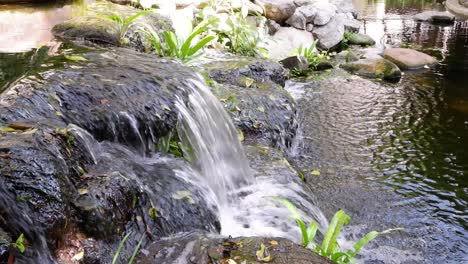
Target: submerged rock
point(374, 68)
point(96, 26)
point(408, 58)
point(435, 16)
point(202, 249)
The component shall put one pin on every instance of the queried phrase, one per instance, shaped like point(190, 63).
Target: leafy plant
point(234, 31)
point(169, 45)
point(330, 247)
point(134, 253)
point(124, 23)
point(345, 42)
point(313, 56)
point(19, 244)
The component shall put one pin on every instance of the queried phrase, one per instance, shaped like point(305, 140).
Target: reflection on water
point(400, 151)
point(26, 27)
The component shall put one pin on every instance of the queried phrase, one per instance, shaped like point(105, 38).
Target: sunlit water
point(396, 155)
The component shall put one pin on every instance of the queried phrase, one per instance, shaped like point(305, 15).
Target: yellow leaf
point(78, 256)
point(83, 191)
point(273, 242)
point(315, 172)
point(249, 82)
point(75, 58)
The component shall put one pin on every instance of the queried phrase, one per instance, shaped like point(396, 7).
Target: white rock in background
point(325, 12)
point(277, 10)
point(350, 24)
point(302, 16)
point(286, 41)
point(330, 34)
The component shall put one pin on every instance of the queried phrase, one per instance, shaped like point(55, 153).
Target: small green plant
point(345, 42)
point(19, 244)
point(169, 45)
point(124, 23)
point(313, 56)
point(134, 253)
point(330, 247)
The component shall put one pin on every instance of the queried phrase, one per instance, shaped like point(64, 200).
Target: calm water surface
point(396, 155)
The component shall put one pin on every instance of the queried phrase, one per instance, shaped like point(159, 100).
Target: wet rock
point(359, 39)
point(408, 58)
point(324, 65)
point(97, 27)
point(239, 71)
point(324, 12)
point(346, 56)
point(286, 41)
point(435, 16)
point(89, 93)
point(295, 62)
point(265, 113)
point(343, 6)
point(277, 10)
point(374, 68)
point(201, 248)
point(329, 35)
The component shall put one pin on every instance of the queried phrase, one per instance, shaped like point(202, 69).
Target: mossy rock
point(96, 26)
point(359, 39)
point(374, 68)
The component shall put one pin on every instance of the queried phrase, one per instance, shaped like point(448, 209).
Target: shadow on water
point(396, 154)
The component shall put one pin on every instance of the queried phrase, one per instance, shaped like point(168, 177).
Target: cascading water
point(244, 196)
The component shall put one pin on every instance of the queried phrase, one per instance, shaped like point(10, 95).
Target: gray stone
point(464, 3)
point(435, 16)
point(408, 58)
point(295, 62)
point(374, 68)
point(277, 10)
point(303, 15)
point(273, 27)
point(325, 12)
point(309, 27)
point(350, 24)
point(459, 8)
point(203, 248)
point(359, 39)
point(329, 35)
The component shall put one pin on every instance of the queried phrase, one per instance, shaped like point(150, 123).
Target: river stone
point(202, 248)
point(329, 35)
point(96, 27)
point(374, 68)
point(350, 24)
point(459, 8)
point(295, 62)
point(286, 41)
point(277, 10)
point(435, 16)
point(359, 39)
point(325, 12)
point(408, 58)
point(464, 3)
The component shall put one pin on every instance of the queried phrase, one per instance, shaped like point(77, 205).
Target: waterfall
point(214, 147)
point(243, 195)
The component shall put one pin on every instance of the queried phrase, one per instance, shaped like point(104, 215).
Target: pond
point(396, 155)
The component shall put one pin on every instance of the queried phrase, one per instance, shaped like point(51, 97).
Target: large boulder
point(251, 91)
point(350, 23)
point(302, 16)
point(56, 177)
point(277, 10)
point(458, 7)
point(329, 35)
point(203, 249)
point(408, 58)
point(96, 26)
point(286, 41)
point(435, 16)
point(374, 68)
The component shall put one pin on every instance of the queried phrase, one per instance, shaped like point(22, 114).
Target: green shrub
point(330, 247)
point(312, 55)
point(124, 23)
point(169, 45)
